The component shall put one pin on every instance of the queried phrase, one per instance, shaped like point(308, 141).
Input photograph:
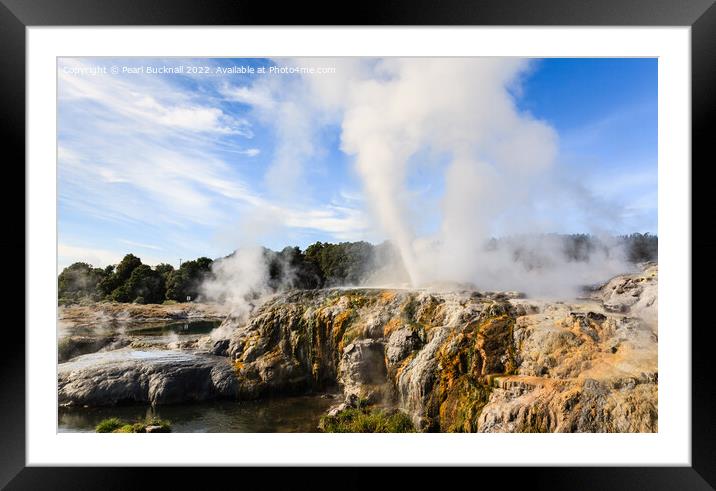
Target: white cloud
point(125, 157)
point(342, 222)
point(142, 245)
point(137, 149)
point(258, 96)
point(95, 256)
point(142, 149)
point(99, 258)
point(146, 101)
point(296, 111)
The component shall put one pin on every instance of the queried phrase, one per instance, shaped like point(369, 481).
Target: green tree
point(344, 263)
point(119, 276)
point(80, 281)
point(178, 282)
point(120, 294)
point(186, 281)
point(145, 285)
point(165, 270)
point(641, 247)
point(290, 268)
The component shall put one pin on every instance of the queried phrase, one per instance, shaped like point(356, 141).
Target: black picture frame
point(16, 15)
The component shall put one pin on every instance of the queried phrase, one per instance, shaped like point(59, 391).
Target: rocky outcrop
point(155, 377)
point(635, 294)
point(465, 361)
point(539, 404)
point(71, 346)
point(590, 366)
point(452, 360)
point(362, 371)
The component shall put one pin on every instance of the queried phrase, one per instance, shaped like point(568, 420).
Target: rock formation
point(154, 377)
point(452, 360)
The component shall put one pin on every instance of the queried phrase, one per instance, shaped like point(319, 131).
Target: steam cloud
point(238, 279)
point(458, 117)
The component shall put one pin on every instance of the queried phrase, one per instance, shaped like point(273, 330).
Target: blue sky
point(180, 165)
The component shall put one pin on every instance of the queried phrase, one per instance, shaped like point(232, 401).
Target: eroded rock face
point(524, 404)
point(589, 366)
point(72, 346)
point(635, 294)
point(401, 343)
point(454, 361)
point(466, 361)
point(362, 372)
point(155, 377)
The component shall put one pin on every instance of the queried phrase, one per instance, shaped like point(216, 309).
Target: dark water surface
point(145, 328)
point(178, 327)
point(287, 414)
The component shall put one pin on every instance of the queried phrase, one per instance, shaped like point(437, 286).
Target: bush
point(366, 420)
point(116, 425)
point(79, 282)
point(125, 429)
point(117, 276)
point(186, 281)
point(145, 285)
point(109, 425)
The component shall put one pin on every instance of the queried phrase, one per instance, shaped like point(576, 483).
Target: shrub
point(125, 429)
point(367, 420)
point(79, 282)
point(116, 425)
point(109, 425)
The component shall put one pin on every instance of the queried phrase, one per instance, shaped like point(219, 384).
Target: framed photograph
point(453, 235)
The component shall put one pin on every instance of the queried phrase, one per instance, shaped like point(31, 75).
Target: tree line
point(132, 281)
point(321, 265)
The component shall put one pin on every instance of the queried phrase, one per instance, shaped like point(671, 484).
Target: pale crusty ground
point(87, 315)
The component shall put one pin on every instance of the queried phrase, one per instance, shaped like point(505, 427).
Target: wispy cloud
point(141, 150)
point(146, 101)
point(96, 256)
point(168, 163)
point(258, 96)
point(68, 254)
point(139, 244)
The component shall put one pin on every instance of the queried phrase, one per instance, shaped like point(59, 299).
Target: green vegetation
point(116, 425)
point(109, 425)
point(132, 281)
point(321, 265)
point(185, 281)
point(641, 247)
point(343, 263)
point(367, 420)
point(291, 268)
point(80, 281)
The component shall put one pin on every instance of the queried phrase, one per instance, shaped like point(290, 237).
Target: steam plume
point(495, 163)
